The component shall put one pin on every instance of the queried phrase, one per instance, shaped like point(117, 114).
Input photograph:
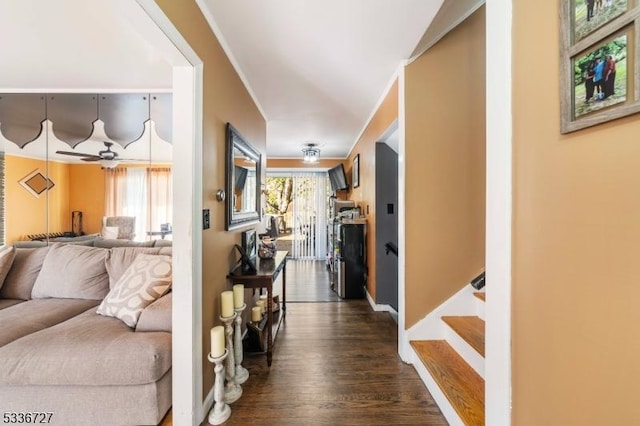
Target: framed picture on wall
point(599, 61)
point(356, 171)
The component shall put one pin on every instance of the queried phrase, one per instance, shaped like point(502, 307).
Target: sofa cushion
point(88, 349)
point(156, 316)
point(34, 315)
point(24, 271)
point(5, 303)
point(7, 254)
point(74, 272)
point(120, 258)
point(162, 243)
point(29, 244)
point(147, 279)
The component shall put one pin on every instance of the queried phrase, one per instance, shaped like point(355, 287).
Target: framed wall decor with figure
point(356, 171)
point(599, 61)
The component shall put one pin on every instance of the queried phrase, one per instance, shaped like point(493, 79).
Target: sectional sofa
point(59, 356)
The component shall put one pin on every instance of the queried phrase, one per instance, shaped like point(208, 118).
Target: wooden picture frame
point(355, 172)
point(599, 62)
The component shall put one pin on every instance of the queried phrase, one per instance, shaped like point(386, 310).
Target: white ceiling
point(318, 68)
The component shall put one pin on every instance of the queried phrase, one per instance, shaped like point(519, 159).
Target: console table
point(266, 274)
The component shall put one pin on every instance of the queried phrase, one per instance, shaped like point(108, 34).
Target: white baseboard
point(207, 404)
point(379, 308)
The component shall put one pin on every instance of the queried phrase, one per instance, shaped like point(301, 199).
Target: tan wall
point(292, 163)
point(225, 100)
point(365, 194)
point(576, 240)
point(445, 168)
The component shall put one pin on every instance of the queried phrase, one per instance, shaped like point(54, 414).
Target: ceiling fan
point(106, 157)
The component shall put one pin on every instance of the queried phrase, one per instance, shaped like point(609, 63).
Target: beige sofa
point(57, 355)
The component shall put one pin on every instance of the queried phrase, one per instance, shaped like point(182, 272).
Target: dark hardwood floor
point(308, 281)
point(334, 364)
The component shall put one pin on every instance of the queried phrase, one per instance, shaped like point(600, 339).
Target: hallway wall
point(445, 168)
point(576, 240)
point(365, 194)
point(225, 99)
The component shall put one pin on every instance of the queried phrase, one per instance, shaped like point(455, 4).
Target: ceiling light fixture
point(109, 164)
point(311, 154)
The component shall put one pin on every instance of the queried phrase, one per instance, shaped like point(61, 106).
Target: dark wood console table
point(267, 273)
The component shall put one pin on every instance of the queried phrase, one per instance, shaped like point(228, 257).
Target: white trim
point(499, 212)
point(300, 158)
point(85, 90)
point(464, 349)
point(187, 407)
point(379, 308)
point(206, 12)
point(404, 349)
point(393, 79)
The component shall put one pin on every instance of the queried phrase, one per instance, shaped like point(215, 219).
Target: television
point(338, 178)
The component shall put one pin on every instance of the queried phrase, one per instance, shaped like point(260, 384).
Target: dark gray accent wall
point(386, 224)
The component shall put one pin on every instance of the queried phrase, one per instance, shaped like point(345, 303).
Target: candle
point(227, 304)
point(262, 304)
point(256, 313)
point(238, 296)
point(217, 341)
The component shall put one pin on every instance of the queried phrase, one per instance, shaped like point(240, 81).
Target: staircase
point(450, 359)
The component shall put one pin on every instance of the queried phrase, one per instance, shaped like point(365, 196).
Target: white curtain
point(143, 193)
point(310, 200)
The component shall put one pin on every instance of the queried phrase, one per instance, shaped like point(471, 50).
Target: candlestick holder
point(220, 411)
point(241, 373)
point(232, 391)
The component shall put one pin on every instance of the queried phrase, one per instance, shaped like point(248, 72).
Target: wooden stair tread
point(471, 329)
point(462, 386)
point(480, 295)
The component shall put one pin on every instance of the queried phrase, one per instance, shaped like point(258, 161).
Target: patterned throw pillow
point(147, 279)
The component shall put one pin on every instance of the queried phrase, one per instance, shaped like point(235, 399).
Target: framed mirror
point(242, 181)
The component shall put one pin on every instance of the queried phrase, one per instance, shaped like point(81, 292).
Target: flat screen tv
point(338, 178)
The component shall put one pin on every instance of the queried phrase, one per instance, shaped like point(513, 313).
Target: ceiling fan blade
point(133, 159)
point(91, 158)
point(76, 154)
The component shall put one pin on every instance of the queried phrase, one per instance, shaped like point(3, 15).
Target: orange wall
point(365, 194)
point(25, 214)
point(576, 241)
point(225, 100)
point(86, 193)
point(445, 168)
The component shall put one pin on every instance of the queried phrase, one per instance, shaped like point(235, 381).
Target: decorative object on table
point(262, 305)
point(247, 264)
point(249, 242)
point(256, 314)
point(596, 44)
point(76, 223)
point(267, 249)
point(356, 171)
point(232, 391)
point(242, 374)
point(226, 304)
point(221, 411)
point(255, 340)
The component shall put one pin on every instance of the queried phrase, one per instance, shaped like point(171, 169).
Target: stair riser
point(465, 350)
point(480, 308)
point(443, 403)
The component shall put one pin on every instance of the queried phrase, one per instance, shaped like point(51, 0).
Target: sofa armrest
point(156, 316)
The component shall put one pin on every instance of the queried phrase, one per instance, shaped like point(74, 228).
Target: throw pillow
point(23, 273)
point(156, 316)
point(72, 271)
point(147, 279)
point(110, 232)
point(7, 254)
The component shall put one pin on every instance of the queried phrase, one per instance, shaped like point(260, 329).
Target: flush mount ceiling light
point(311, 154)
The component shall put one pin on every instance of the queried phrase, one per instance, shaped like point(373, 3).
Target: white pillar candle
point(227, 304)
point(238, 296)
point(256, 313)
point(217, 341)
point(262, 304)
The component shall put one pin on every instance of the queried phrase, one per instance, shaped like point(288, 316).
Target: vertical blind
point(309, 215)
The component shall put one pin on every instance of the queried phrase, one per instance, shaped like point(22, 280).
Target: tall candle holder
point(241, 373)
point(220, 411)
point(232, 391)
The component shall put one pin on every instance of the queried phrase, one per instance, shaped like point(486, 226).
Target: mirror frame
point(234, 139)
